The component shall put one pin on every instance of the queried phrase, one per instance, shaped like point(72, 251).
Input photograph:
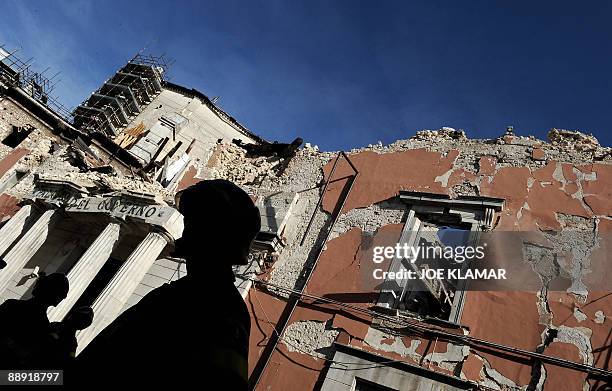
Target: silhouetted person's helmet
point(79, 318)
point(221, 222)
point(51, 289)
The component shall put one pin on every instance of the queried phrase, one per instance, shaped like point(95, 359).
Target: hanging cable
point(446, 336)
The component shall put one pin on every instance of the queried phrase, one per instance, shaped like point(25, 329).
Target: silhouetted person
point(63, 343)
point(24, 326)
point(194, 331)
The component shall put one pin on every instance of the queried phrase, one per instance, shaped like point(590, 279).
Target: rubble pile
point(509, 150)
point(39, 147)
point(49, 163)
point(109, 183)
point(445, 133)
point(231, 163)
point(310, 149)
point(571, 139)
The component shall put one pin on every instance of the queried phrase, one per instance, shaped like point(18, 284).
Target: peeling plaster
point(370, 219)
point(453, 355)
point(443, 179)
point(599, 317)
point(380, 341)
point(579, 337)
point(309, 337)
point(495, 379)
point(579, 315)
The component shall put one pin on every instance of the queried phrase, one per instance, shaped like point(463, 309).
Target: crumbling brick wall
point(12, 114)
point(557, 186)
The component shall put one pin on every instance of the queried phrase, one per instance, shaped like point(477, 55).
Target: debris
point(54, 147)
point(277, 149)
point(105, 169)
point(538, 154)
point(310, 147)
point(445, 133)
point(129, 136)
point(572, 139)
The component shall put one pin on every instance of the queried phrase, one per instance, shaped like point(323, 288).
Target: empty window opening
point(17, 135)
point(439, 231)
point(432, 297)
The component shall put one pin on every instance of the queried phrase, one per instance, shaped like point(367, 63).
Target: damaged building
point(90, 193)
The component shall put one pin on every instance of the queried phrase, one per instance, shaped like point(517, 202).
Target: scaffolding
point(122, 97)
point(19, 73)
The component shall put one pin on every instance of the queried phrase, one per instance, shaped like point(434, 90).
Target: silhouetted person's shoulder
point(11, 306)
point(21, 316)
point(181, 328)
point(8, 307)
point(24, 326)
point(195, 329)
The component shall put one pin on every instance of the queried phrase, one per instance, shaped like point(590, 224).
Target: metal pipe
point(289, 309)
point(331, 174)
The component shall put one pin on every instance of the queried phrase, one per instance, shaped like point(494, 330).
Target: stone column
point(25, 248)
point(13, 228)
point(86, 269)
point(113, 298)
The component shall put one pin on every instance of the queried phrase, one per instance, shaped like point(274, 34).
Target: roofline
point(220, 113)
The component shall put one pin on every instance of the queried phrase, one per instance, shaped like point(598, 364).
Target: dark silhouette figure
point(24, 326)
point(193, 331)
point(63, 343)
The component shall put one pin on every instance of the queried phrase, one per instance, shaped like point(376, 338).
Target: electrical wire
point(466, 340)
point(369, 365)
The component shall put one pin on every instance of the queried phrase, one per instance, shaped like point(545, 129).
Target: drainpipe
point(264, 359)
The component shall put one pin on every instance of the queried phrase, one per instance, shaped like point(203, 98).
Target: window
point(17, 135)
point(436, 222)
point(432, 297)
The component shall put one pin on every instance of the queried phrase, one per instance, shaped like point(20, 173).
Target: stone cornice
point(125, 205)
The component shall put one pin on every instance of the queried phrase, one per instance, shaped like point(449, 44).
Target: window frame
point(350, 363)
point(476, 212)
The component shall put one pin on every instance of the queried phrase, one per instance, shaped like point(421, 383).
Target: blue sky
point(343, 74)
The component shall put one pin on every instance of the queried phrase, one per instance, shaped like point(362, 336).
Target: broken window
point(432, 297)
point(435, 225)
point(17, 135)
